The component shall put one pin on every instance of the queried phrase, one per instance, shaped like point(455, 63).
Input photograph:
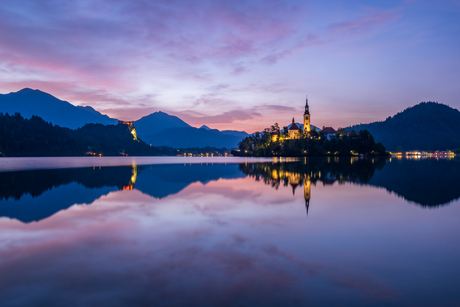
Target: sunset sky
point(239, 65)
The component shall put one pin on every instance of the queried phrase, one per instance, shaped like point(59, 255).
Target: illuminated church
point(294, 127)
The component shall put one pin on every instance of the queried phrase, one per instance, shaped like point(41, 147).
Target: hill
point(30, 102)
point(35, 137)
point(161, 129)
point(425, 126)
point(157, 122)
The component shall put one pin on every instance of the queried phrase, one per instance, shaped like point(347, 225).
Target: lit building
point(293, 128)
point(306, 118)
point(329, 132)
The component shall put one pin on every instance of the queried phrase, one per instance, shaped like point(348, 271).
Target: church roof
point(328, 130)
point(301, 126)
point(293, 126)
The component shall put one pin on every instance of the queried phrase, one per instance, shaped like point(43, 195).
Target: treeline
point(274, 142)
point(21, 137)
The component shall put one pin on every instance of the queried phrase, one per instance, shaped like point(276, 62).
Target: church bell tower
point(306, 118)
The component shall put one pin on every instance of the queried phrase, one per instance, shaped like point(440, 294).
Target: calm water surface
point(343, 232)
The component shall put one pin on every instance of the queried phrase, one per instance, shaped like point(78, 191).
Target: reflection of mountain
point(426, 182)
point(34, 195)
point(29, 209)
point(161, 180)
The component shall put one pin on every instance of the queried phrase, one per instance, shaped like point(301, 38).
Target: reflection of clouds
point(364, 284)
point(130, 249)
point(111, 269)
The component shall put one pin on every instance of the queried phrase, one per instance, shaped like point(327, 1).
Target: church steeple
point(307, 109)
point(306, 118)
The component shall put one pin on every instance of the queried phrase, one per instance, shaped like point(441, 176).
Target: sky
point(240, 65)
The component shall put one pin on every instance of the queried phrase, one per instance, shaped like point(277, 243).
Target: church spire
point(307, 109)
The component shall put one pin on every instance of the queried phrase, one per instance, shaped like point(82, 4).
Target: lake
point(173, 231)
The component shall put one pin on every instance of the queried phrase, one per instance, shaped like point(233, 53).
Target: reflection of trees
point(67, 186)
point(325, 170)
point(313, 170)
point(428, 182)
point(35, 182)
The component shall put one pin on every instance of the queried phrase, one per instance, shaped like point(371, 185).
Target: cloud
point(361, 25)
point(225, 117)
point(105, 37)
point(279, 108)
point(218, 87)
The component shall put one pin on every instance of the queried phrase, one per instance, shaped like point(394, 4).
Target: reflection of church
point(295, 179)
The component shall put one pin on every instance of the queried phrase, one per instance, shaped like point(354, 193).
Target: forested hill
point(425, 126)
point(35, 137)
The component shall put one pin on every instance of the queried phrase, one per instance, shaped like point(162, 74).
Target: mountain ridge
point(29, 102)
point(424, 126)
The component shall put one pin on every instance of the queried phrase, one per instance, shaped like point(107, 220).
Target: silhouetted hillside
point(30, 102)
point(161, 129)
point(35, 137)
point(426, 126)
point(157, 122)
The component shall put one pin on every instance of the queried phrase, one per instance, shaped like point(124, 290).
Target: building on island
point(294, 128)
point(329, 132)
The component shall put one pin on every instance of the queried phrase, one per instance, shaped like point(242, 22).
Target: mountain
point(30, 102)
point(205, 127)
point(161, 129)
point(186, 137)
point(154, 128)
point(156, 122)
point(425, 126)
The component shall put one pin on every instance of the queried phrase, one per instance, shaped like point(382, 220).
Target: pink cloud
point(361, 24)
point(225, 117)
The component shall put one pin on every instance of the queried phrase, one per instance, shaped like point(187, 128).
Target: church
point(294, 127)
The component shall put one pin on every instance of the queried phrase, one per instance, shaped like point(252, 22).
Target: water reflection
point(313, 170)
point(427, 182)
point(34, 195)
point(216, 235)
